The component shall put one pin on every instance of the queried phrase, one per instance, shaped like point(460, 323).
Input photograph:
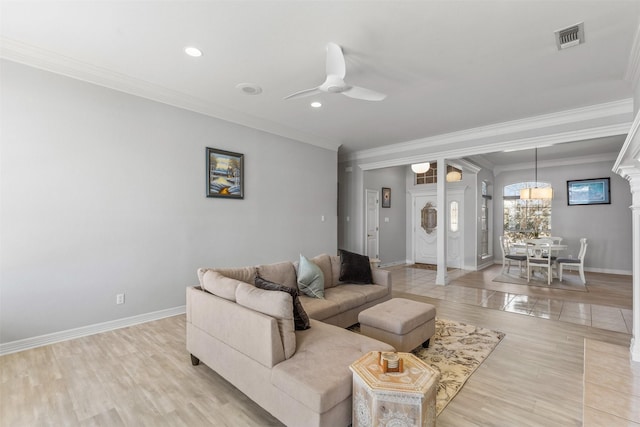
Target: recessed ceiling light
point(316, 104)
point(193, 51)
point(249, 88)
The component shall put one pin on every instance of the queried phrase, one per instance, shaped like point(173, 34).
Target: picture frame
point(596, 191)
point(225, 174)
point(386, 197)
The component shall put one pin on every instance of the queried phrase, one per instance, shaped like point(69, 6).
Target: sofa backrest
point(250, 332)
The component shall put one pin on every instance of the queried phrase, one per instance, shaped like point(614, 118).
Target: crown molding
point(595, 158)
point(629, 157)
point(59, 64)
point(620, 108)
point(523, 143)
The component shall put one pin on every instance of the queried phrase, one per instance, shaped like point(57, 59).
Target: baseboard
point(591, 269)
point(392, 264)
point(42, 340)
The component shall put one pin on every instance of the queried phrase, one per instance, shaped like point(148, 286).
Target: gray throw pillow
point(310, 278)
point(300, 317)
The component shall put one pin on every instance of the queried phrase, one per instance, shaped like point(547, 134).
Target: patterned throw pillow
point(300, 317)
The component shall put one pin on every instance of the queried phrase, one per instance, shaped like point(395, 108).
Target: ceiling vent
point(569, 37)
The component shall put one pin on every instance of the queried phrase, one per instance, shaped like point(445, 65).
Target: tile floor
point(422, 282)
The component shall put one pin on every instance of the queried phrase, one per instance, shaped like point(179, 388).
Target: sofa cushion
point(278, 305)
point(219, 285)
point(319, 309)
point(319, 375)
point(244, 274)
point(336, 264)
point(310, 278)
point(300, 318)
point(324, 262)
point(345, 298)
point(371, 292)
point(281, 272)
point(354, 268)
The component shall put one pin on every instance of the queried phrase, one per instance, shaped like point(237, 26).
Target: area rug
point(570, 281)
point(456, 350)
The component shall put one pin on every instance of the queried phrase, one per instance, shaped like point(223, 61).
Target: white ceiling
point(445, 65)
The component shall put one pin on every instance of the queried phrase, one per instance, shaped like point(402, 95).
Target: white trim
point(392, 264)
point(523, 143)
point(42, 340)
point(598, 111)
point(595, 158)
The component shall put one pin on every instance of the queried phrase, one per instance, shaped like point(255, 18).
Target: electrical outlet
point(120, 299)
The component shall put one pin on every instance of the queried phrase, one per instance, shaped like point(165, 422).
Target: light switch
point(322, 218)
point(386, 219)
point(348, 219)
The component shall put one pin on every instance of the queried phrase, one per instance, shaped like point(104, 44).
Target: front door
point(424, 224)
point(424, 228)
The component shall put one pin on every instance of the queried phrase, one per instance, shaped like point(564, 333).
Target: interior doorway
point(372, 218)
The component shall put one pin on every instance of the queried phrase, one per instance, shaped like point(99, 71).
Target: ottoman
point(402, 323)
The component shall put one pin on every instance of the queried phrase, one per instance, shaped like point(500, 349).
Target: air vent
point(569, 37)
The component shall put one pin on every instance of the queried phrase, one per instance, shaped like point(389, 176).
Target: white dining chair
point(574, 262)
point(556, 240)
point(538, 258)
point(508, 255)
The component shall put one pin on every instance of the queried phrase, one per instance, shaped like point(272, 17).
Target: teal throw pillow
point(310, 278)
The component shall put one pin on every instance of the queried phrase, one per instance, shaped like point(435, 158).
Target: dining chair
point(508, 255)
point(575, 262)
point(556, 240)
point(538, 257)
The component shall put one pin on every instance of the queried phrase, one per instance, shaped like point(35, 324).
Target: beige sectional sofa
point(247, 335)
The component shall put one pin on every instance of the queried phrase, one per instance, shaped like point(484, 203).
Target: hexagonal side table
point(396, 399)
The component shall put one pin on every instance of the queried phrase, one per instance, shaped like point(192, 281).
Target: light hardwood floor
point(142, 375)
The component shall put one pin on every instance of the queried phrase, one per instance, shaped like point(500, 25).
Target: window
point(431, 176)
point(525, 219)
point(453, 216)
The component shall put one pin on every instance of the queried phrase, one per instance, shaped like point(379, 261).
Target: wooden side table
point(399, 399)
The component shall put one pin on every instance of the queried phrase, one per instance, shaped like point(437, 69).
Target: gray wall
point(608, 227)
point(392, 233)
point(103, 193)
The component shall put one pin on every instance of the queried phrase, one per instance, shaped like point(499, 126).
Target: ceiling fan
point(334, 82)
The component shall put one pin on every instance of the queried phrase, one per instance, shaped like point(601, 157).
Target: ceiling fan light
point(420, 167)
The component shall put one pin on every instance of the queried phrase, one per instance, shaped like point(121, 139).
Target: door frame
point(416, 223)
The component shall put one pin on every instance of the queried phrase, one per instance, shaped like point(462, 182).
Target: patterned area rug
point(456, 350)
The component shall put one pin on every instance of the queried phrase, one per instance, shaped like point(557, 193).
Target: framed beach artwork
point(589, 192)
point(225, 174)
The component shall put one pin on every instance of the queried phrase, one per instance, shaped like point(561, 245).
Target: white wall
point(608, 227)
point(392, 233)
point(103, 193)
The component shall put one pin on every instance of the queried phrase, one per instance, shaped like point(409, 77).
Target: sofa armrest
point(381, 277)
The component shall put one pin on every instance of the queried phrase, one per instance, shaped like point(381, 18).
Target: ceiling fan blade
point(303, 93)
point(364, 94)
point(335, 61)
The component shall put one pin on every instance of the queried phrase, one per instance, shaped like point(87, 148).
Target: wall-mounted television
point(596, 191)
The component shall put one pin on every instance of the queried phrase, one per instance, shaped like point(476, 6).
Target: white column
point(634, 182)
point(441, 199)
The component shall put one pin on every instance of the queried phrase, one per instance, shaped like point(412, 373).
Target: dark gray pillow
point(354, 268)
point(300, 317)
